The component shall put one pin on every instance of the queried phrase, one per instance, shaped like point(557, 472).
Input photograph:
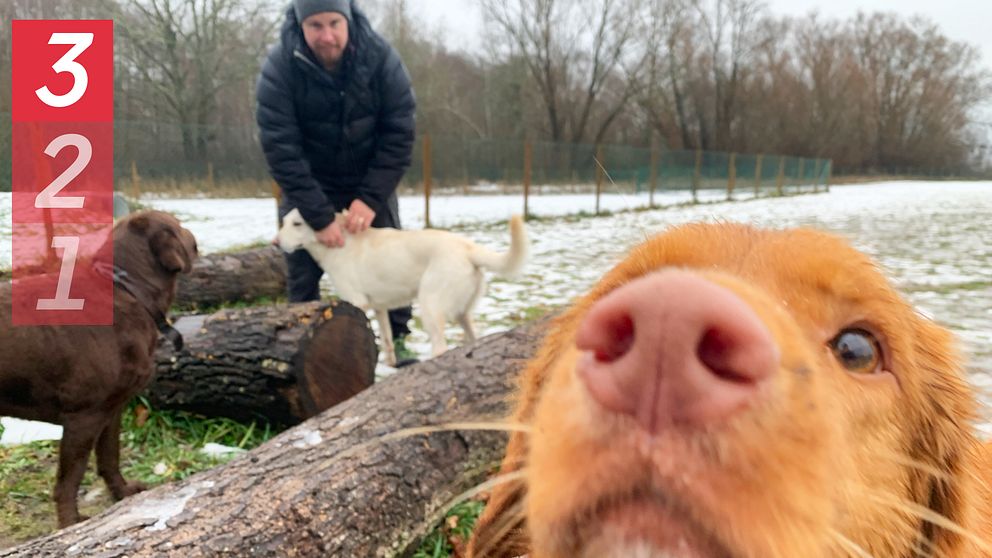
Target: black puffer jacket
point(330, 139)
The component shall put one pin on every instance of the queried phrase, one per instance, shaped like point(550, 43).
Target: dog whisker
point(922, 512)
point(921, 466)
point(495, 426)
point(643, 229)
point(852, 548)
point(512, 518)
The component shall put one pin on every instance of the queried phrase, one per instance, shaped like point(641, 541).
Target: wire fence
point(168, 159)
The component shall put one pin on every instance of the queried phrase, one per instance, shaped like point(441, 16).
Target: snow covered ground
point(933, 239)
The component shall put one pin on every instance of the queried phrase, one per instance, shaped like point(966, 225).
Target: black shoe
point(404, 356)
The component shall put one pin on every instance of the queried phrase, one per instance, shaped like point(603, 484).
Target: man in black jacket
point(336, 116)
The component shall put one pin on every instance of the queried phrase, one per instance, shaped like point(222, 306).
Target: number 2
point(47, 198)
point(80, 42)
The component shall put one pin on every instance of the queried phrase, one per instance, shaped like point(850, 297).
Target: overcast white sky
point(961, 20)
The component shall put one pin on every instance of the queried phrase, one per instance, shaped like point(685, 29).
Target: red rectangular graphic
point(62, 172)
point(56, 281)
point(63, 70)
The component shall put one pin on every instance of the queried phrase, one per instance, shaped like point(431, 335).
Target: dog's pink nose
point(674, 348)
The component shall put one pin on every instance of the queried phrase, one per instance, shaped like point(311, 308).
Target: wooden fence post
point(781, 175)
point(817, 169)
point(801, 174)
point(599, 175)
point(427, 180)
point(135, 181)
point(654, 171)
point(696, 176)
point(757, 176)
point(731, 176)
point(528, 160)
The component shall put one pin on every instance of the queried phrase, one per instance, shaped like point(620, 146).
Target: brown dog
point(82, 376)
point(728, 392)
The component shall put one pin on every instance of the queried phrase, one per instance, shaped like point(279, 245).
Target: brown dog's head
point(728, 392)
point(153, 244)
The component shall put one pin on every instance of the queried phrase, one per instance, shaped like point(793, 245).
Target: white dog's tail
point(505, 263)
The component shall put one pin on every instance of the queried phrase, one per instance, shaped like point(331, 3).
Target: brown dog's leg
point(78, 436)
point(108, 452)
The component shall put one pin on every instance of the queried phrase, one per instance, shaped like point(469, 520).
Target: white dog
point(389, 268)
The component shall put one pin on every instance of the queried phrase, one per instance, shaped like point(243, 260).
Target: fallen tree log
point(332, 486)
point(229, 277)
point(284, 363)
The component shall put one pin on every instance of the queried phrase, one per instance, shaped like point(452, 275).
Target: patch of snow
point(17, 431)
point(307, 438)
point(218, 450)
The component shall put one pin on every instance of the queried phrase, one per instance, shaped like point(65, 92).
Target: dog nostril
point(608, 337)
point(733, 358)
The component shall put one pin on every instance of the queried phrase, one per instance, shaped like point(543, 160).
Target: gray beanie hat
point(306, 8)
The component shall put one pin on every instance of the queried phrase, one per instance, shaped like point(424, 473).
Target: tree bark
point(233, 277)
point(284, 363)
point(332, 486)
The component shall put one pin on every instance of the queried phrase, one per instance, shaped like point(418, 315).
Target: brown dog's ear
point(139, 224)
point(170, 252)
point(946, 444)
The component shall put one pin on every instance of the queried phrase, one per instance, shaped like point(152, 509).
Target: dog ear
point(169, 251)
point(139, 224)
point(946, 443)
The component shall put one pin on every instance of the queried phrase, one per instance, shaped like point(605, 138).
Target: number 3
point(67, 63)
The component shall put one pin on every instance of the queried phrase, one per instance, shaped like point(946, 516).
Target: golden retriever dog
point(81, 377)
point(730, 392)
point(390, 268)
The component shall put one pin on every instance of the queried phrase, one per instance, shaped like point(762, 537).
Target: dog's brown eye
point(858, 351)
point(297, 224)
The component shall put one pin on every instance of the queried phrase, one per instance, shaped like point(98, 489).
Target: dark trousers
point(303, 281)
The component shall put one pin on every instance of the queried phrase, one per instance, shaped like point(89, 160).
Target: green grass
point(454, 531)
point(148, 438)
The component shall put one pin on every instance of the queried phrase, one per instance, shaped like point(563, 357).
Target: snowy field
point(933, 240)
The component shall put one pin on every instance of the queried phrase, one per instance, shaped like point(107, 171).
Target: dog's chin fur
point(609, 545)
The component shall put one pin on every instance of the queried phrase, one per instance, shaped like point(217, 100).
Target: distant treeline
point(874, 92)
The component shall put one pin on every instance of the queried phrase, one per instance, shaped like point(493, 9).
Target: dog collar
point(123, 280)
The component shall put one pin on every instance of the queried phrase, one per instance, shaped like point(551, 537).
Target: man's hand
point(331, 235)
point(359, 218)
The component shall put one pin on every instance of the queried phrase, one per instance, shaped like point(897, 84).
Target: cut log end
point(283, 363)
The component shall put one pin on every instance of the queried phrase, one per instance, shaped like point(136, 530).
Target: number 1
point(70, 247)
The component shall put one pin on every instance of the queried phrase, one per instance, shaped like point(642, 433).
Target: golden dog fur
point(827, 462)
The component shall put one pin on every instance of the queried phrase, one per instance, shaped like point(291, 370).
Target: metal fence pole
point(427, 181)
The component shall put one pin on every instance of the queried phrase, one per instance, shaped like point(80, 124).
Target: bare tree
point(185, 52)
point(572, 51)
